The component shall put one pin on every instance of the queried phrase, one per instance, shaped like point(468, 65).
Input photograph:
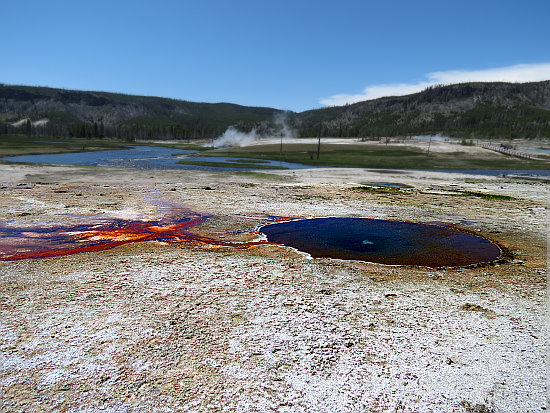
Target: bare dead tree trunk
point(318, 143)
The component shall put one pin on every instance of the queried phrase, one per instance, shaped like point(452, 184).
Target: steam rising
point(283, 128)
point(233, 137)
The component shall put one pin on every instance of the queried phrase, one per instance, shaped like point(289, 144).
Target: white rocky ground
point(179, 327)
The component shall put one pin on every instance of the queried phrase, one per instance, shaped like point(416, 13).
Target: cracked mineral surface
point(156, 326)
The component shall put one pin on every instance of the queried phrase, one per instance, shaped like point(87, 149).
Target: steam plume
point(233, 137)
point(281, 123)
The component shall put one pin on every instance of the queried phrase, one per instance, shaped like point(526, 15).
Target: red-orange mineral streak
point(24, 242)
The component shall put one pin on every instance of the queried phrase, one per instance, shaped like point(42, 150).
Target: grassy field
point(376, 156)
point(260, 175)
point(341, 155)
point(13, 145)
point(182, 146)
point(230, 164)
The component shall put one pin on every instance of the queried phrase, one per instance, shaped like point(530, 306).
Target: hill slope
point(59, 112)
point(469, 109)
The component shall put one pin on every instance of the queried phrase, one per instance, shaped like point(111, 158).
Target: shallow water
point(30, 241)
point(495, 172)
point(142, 157)
point(136, 157)
point(384, 242)
point(387, 184)
point(534, 150)
point(262, 163)
point(158, 157)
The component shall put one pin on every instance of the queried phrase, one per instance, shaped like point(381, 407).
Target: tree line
point(98, 130)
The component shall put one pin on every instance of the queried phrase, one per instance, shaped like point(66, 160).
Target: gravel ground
point(162, 327)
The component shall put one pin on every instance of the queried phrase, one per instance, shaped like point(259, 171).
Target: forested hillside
point(469, 109)
point(56, 112)
point(465, 110)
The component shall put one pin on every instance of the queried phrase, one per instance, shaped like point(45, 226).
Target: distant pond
point(150, 157)
point(159, 157)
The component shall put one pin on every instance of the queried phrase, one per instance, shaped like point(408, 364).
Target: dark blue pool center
point(383, 241)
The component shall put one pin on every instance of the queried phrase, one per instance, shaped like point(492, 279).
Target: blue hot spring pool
point(383, 241)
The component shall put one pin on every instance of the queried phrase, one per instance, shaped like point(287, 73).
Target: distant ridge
point(467, 110)
point(105, 114)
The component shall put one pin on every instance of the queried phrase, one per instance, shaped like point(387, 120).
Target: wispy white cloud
point(518, 73)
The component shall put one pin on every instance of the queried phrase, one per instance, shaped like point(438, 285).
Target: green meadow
point(338, 155)
point(378, 156)
point(13, 145)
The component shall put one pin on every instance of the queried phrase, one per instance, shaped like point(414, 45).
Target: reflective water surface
point(147, 157)
point(384, 242)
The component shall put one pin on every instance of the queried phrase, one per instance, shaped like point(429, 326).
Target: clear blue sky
point(283, 54)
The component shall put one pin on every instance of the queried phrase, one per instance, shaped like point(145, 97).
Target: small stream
point(151, 157)
point(159, 157)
